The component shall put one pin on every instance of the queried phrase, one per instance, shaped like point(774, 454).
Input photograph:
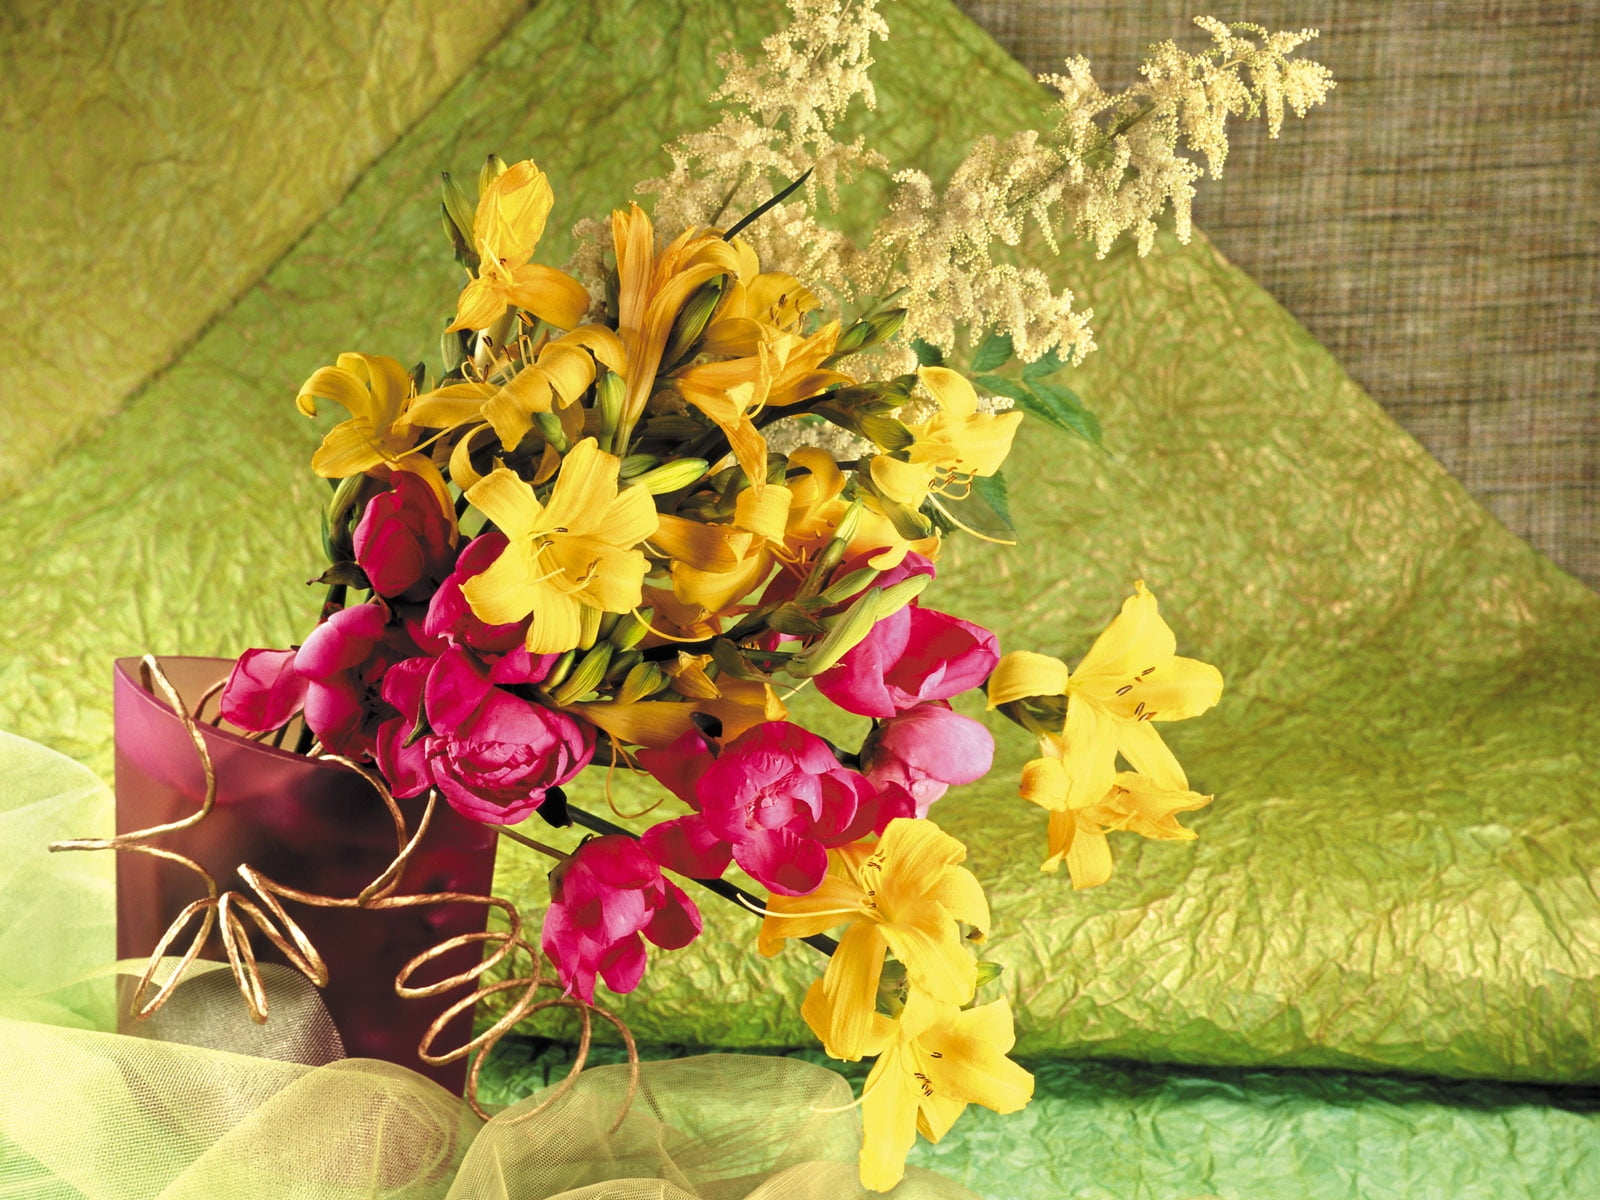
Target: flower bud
point(493, 167)
point(550, 426)
point(849, 585)
point(637, 464)
point(672, 476)
point(610, 391)
point(844, 632)
point(629, 632)
point(692, 321)
point(642, 682)
point(563, 667)
point(588, 626)
point(591, 669)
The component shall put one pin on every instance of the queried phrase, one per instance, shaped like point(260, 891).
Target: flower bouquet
point(643, 499)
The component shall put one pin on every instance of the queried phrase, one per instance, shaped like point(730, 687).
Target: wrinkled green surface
point(1122, 1131)
point(1397, 870)
point(159, 157)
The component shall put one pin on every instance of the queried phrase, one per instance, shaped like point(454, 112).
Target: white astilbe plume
point(1111, 165)
point(778, 117)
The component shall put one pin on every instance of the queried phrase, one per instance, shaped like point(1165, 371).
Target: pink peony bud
point(773, 801)
point(601, 900)
point(923, 751)
point(345, 660)
point(404, 541)
point(913, 655)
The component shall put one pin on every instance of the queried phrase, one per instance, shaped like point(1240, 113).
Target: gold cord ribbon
point(233, 908)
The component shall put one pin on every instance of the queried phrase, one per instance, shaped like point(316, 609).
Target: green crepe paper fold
point(161, 156)
point(1396, 872)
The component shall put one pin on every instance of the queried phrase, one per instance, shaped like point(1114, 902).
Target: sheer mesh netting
point(198, 1103)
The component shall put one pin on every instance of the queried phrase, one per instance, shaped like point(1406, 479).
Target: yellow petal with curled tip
point(569, 367)
point(601, 342)
point(447, 407)
point(658, 723)
point(510, 411)
point(1022, 674)
point(338, 385)
point(1045, 783)
point(764, 512)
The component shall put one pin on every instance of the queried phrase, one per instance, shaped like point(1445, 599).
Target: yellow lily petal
point(482, 303)
point(449, 406)
point(1088, 859)
point(714, 548)
point(549, 294)
point(569, 367)
point(937, 962)
point(972, 1065)
point(509, 589)
point(1136, 640)
point(1045, 782)
point(336, 384)
point(601, 342)
point(511, 214)
point(764, 512)
point(1173, 691)
point(611, 579)
point(951, 390)
point(510, 411)
point(347, 449)
point(1089, 752)
point(889, 1101)
point(903, 482)
point(507, 501)
point(557, 619)
point(850, 988)
point(1022, 674)
point(1142, 746)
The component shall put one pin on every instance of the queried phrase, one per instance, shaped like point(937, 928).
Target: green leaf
point(991, 490)
point(1061, 407)
point(927, 355)
point(999, 385)
point(993, 352)
point(1047, 363)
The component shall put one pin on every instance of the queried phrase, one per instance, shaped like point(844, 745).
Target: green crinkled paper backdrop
point(1397, 872)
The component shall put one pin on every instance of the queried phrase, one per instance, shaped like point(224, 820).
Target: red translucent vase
point(310, 825)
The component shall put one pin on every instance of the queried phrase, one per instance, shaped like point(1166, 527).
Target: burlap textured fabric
point(1433, 225)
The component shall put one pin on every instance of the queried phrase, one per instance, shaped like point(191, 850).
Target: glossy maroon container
point(311, 825)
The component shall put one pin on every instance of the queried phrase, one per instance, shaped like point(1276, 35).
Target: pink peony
point(601, 900)
point(334, 679)
point(404, 542)
point(922, 752)
point(492, 754)
point(914, 655)
point(772, 801)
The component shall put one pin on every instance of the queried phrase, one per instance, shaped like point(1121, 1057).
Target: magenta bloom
point(922, 752)
point(334, 679)
point(916, 654)
point(601, 900)
point(492, 754)
point(773, 801)
point(404, 541)
point(450, 617)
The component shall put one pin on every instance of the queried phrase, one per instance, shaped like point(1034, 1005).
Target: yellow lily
point(651, 291)
point(507, 226)
point(578, 550)
point(1078, 835)
point(1129, 679)
point(377, 393)
point(736, 558)
point(951, 447)
point(906, 894)
point(933, 1061)
point(818, 506)
point(561, 371)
